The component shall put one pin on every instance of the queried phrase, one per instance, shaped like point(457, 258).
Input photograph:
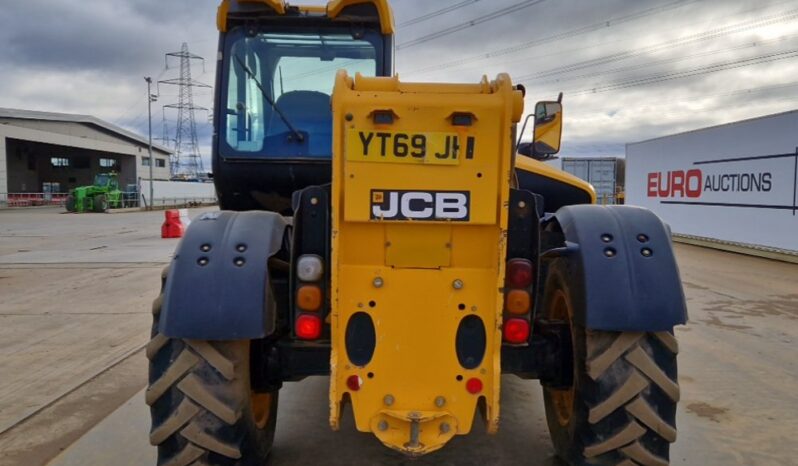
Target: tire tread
point(627, 353)
point(198, 395)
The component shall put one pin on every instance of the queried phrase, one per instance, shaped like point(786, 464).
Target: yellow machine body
point(332, 10)
point(528, 164)
point(406, 253)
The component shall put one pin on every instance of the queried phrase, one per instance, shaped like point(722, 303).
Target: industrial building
point(735, 183)
point(53, 152)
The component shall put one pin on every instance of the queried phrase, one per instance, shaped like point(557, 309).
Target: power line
point(649, 64)
point(482, 19)
point(436, 13)
point(556, 37)
point(740, 63)
point(664, 45)
point(693, 38)
point(125, 114)
point(746, 91)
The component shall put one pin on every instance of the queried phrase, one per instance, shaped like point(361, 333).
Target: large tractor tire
point(100, 204)
point(203, 410)
point(70, 204)
point(621, 406)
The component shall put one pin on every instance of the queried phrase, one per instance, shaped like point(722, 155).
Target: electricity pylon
point(186, 160)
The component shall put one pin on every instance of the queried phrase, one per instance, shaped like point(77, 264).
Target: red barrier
point(173, 227)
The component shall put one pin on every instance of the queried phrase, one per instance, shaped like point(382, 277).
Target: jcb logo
point(421, 205)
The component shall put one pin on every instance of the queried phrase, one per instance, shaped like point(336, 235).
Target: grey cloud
point(89, 56)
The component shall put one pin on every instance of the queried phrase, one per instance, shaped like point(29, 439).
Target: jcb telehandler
point(390, 236)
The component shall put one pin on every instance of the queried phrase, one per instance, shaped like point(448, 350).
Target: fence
point(129, 200)
point(12, 200)
point(180, 202)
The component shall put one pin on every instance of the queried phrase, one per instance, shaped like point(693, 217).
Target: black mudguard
point(218, 285)
point(622, 258)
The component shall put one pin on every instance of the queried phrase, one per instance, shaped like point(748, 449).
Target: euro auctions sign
point(721, 180)
point(720, 183)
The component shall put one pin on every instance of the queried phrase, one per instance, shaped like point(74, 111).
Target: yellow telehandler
point(400, 239)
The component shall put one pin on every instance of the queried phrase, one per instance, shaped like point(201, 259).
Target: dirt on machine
point(407, 241)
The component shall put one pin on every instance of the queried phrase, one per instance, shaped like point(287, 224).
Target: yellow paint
point(221, 16)
point(417, 308)
point(384, 146)
point(333, 9)
point(531, 165)
point(548, 127)
point(421, 246)
point(277, 5)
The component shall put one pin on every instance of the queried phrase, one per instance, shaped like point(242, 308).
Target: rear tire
point(621, 408)
point(203, 410)
point(100, 204)
point(70, 203)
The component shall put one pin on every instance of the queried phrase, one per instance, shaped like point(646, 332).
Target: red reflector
point(474, 386)
point(519, 273)
point(308, 327)
point(516, 331)
point(354, 382)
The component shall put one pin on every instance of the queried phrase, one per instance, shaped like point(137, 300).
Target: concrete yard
point(75, 294)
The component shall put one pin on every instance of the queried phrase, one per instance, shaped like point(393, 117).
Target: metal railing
point(130, 200)
point(15, 200)
point(180, 202)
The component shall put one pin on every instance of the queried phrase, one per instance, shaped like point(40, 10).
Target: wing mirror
point(548, 130)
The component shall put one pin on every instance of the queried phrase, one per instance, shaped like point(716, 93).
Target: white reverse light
point(309, 268)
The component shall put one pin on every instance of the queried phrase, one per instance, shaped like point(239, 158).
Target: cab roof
point(335, 10)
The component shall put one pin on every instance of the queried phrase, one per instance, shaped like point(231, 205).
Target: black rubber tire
point(201, 403)
point(625, 392)
point(100, 204)
point(70, 203)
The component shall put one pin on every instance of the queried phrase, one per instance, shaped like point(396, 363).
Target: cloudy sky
point(630, 69)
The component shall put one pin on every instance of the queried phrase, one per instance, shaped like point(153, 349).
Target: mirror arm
point(523, 128)
point(559, 98)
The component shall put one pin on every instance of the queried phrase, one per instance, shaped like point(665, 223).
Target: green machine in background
point(99, 197)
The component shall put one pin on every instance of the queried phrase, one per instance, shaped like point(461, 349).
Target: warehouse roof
point(79, 119)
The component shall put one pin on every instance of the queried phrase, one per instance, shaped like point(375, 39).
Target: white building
point(65, 151)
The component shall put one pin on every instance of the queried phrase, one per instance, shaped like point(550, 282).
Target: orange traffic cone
point(173, 226)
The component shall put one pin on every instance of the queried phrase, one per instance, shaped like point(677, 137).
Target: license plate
point(406, 147)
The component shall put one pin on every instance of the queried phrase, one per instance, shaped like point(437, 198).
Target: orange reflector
point(474, 386)
point(308, 298)
point(516, 331)
point(518, 302)
point(308, 327)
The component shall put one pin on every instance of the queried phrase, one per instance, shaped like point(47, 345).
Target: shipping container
point(606, 174)
point(734, 183)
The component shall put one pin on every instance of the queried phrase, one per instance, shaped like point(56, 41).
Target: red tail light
point(516, 331)
point(519, 273)
point(474, 386)
point(308, 327)
point(354, 382)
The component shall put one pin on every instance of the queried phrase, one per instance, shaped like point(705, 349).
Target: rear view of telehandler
point(388, 235)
